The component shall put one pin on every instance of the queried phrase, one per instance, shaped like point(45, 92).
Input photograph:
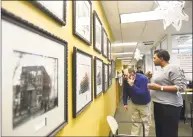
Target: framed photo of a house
point(98, 77)
point(55, 9)
point(97, 28)
point(110, 74)
point(105, 77)
point(34, 89)
point(104, 44)
point(109, 50)
point(82, 20)
point(82, 81)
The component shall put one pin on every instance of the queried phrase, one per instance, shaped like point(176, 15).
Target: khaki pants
point(140, 113)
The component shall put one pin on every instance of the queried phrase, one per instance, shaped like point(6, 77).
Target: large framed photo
point(109, 50)
point(113, 67)
point(98, 77)
point(97, 33)
point(105, 77)
point(104, 44)
point(55, 9)
point(82, 81)
point(34, 86)
point(110, 74)
point(82, 20)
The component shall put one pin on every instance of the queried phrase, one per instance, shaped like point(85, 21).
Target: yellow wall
point(118, 65)
point(92, 122)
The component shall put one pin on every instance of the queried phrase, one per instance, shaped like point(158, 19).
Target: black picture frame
point(104, 43)
point(95, 77)
point(47, 11)
point(75, 78)
point(24, 24)
point(110, 74)
point(109, 49)
point(75, 32)
point(105, 74)
point(113, 64)
point(95, 34)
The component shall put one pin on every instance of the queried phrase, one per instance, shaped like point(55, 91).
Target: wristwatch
point(162, 88)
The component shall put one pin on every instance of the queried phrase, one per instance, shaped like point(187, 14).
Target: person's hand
point(148, 74)
point(153, 86)
point(125, 107)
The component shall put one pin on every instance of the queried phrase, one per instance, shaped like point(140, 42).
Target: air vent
point(148, 42)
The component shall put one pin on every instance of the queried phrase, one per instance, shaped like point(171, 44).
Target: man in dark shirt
point(139, 70)
point(136, 88)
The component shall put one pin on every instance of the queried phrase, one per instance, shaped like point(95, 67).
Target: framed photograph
point(82, 20)
point(98, 77)
point(82, 81)
point(104, 44)
point(109, 49)
point(110, 74)
point(105, 77)
point(34, 86)
point(97, 33)
point(55, 9)
point(113, 66)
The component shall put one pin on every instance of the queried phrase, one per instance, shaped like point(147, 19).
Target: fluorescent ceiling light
point(125, 58)
point(185, 45)
point(123, 53)
point(141, 16)
point(124, 44)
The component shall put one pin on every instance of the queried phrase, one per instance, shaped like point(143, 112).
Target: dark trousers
point(166, 120)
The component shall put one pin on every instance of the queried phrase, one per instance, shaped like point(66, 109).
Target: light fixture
point(122, 53)
point(124, 44)
point(125, 58)
point(141, 16)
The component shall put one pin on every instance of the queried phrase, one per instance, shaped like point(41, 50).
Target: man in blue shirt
point(140, 99)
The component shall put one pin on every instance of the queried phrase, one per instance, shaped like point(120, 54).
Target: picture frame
point(109, 50)
point(105, 77)
point(35, 81)
point(82, 20)
point(104, 44)
point(54, 9)
point(113, 66)
point(97, 29)
point(110, 74)
point(82, 81)
point(98, 77)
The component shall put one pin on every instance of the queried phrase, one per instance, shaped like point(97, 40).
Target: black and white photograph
point(34, 86)
point(110, 74)
point(35, 90)
point(105, 44)
point(55, 9)
point(82, 81)
point(105, 77)
point(98, 76)
point(109, 50)
point(97, 28)
point(82, 20)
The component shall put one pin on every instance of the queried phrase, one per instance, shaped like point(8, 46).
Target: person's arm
point(142, 86)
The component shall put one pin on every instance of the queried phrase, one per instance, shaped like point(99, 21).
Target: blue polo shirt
point(139, 93)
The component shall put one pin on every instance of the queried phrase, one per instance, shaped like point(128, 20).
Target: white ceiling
point(139, 31)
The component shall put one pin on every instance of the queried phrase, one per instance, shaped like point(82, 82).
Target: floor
point(185, 130)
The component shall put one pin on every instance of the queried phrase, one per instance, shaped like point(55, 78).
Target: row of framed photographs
point(83, 78)
point(35, 80)
point(82, 22)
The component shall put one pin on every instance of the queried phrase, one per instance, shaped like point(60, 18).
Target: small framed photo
point(34, 79)
point(109, 50)
point(82, 20)
point(104, 44)
point(105, 77)
point(113, 66)
point(55, 9)
point(98, 77)
point(82, 81)
point(110, 74)
point(97, 33)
